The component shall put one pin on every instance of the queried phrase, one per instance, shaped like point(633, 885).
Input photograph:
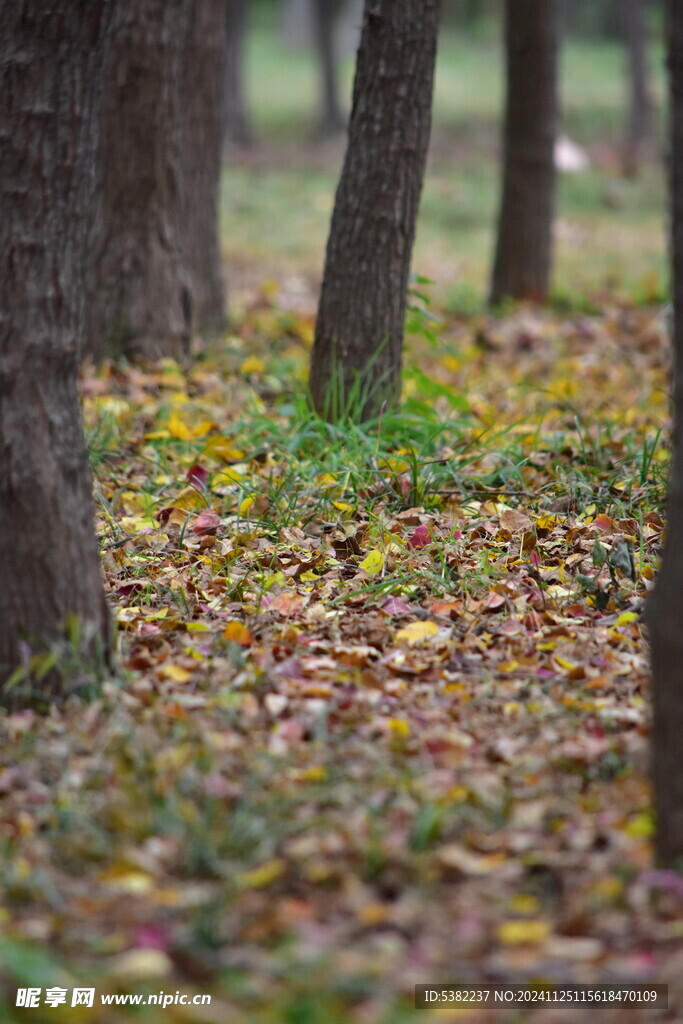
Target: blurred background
point(286, 143)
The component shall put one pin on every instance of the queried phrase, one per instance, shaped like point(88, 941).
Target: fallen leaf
point(373, 563)
point(416, 631)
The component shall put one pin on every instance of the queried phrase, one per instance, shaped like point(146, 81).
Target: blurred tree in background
point(523, 258)
point(237, 127)
point(154, 269)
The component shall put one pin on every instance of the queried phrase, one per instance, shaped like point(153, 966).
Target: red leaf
point(198, 476)
point(420, 538)
point(207, 522)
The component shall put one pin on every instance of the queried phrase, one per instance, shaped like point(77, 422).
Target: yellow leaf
point(238, 633)
point(625, 618)
point(564, 663)
point(640, 826)
point(196, 627)
point(399, 727)
point(517, 933)
point(135, 524)
point(252, 364)
point(189, 498)
point(416, 631)
point(246, 506)
point(315, 773)
point(457, 794)
point(128, 880)
point(160, 613)
point(178, 429)
point(263, 876)
point(128, 614)
point(373, 562)
point(202, 428)
point(546, 522)
point(176, 673)
point(511, 707)
point(222, 448)
point(227, 476)
point(309, 576)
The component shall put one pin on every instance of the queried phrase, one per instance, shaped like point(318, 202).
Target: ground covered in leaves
point(381, 714)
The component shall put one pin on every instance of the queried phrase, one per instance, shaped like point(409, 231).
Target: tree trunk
point(236, 124)
point(523, 257)
point(665, 612)
point(325, 13)
point(356, 364)
point(154, 273)
point(51, 597)
point(200, 108)
point(639, 122)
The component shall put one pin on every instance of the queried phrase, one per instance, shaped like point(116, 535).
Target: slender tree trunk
point(51, 596)
point(236, 123)
point(359, 333)
point(665, 612)
point(154, 275)
point(325, 12)
point(639, 120)
point(200, 106)
point(523, 257)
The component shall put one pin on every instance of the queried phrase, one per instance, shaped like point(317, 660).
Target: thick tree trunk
point(523, 257)
point(665, 612)
point(154, 271)
point(639, 120)
point(236, 124)
point(325, 14)
point(356, 364)
point(51, 596)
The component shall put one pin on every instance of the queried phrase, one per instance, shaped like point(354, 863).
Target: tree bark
point(51, 597)
point(155, 275)
point(236, 123)
point(665, 612)
point(523, 256)
point(325, 13)
point(200, 105)
point(356, 363)
point(639, 119)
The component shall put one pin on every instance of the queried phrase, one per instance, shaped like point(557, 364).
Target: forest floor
point(381, 710)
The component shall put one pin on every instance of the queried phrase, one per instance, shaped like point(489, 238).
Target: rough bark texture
point(325, 13)
point(665, 612)
point(154, 270)
point(523, 257)
point(236, 123)
point(50, 73)
point(356, 364)
point(639, 122)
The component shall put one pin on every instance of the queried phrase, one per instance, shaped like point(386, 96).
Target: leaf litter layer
point(381, 715)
